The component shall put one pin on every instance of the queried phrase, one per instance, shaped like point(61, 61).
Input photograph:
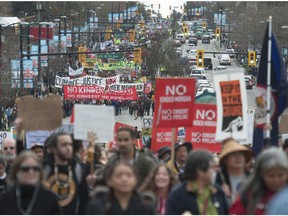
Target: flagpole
point(268, 116)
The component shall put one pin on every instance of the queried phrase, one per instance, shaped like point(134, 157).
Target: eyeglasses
point(11, 148)
point(28, 168)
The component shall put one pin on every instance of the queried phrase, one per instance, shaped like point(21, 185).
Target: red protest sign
point(119, 125)
point(98, 93)
point(202, 133)
point(161, 137)
point(174, 100)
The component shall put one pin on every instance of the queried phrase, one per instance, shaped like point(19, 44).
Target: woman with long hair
point(270, 175)
point(26, 195)
point(160, 183)
point(120, 197)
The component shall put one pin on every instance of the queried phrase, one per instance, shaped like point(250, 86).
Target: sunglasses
point(11, 148)
point(28, 168)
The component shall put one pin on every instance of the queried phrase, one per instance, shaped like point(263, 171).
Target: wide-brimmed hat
point(233, 146)
point(163, 150)
point(188, 145)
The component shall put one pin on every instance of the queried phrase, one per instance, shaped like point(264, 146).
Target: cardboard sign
point(148, 87)
point(202, 133)
point(231, 105)
point(98, 93)
point(44, 114)
point(122, 86)
point(174, 101)
point(36, 137)
point(99, 119)
point(86, 81)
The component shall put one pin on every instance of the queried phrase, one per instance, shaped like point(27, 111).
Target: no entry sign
point(174, 100)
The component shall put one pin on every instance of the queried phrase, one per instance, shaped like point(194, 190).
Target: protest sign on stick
point(231, 105)
point(98, 119)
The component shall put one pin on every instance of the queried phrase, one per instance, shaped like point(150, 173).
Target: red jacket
point(238, 207)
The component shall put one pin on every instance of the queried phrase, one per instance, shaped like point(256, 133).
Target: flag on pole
point(278, 92)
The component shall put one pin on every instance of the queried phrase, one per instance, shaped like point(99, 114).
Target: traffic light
point(204, 24)
point(217, 32)
point(252, 58)
point(118, 24)
point(200, 58)
point(108, 34)
point(16, 29)
point(137, 55)
point(131, 35)
point(185, 30)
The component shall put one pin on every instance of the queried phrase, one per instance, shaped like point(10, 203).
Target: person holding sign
point(181, 155)
point(197, 195)
point(125, 144)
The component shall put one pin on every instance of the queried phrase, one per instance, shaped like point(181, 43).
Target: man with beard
point(127, 152)
point(9, 151)
point(65, 177)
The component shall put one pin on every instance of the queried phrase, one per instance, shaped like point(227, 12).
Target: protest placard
point(202, 133)
point(147, 122)
point(174, 101)
point(72, 72)
point(231, 105)
point(4, 135)
point(65, 128)
point(99, 119)
point(44, 114)
point(36, 137)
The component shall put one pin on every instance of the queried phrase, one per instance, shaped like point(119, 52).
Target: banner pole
point(172, 145)
point(268, 115)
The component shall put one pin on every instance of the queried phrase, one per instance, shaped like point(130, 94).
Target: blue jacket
point(181, 200)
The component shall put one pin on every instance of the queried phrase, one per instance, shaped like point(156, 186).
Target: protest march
point(146, 113)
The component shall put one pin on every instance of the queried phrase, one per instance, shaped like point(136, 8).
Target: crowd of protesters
point(61, 178)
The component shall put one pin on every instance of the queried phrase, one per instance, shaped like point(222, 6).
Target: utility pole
point(21, 62)
point(39, 83)
point(221, 33)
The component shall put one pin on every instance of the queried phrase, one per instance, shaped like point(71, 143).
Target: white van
point(180, 37)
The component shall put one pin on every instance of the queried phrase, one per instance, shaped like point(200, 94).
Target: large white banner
point(231, 97)
point(72, 72)
point(86, 81)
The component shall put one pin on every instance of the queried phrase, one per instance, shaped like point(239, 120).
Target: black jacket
point(180, 201)
point(72, 199)
point(46, 202)
point(107, 204)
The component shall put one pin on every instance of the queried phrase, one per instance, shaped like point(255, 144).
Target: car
point(231, 52)
point(190, 46)
point(208, 64)
point(206, 39)
point(220, 68)
point(224, 59)
point(178, 50)
point(193, 40)
point(181, 38)
point(203, 82)
point(202, 85)
point(192, 54)
point(213, 35)
point(202, 90)
point(198, 72)
point(249, 82)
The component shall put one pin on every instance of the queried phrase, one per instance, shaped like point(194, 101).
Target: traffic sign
point(110, 55)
